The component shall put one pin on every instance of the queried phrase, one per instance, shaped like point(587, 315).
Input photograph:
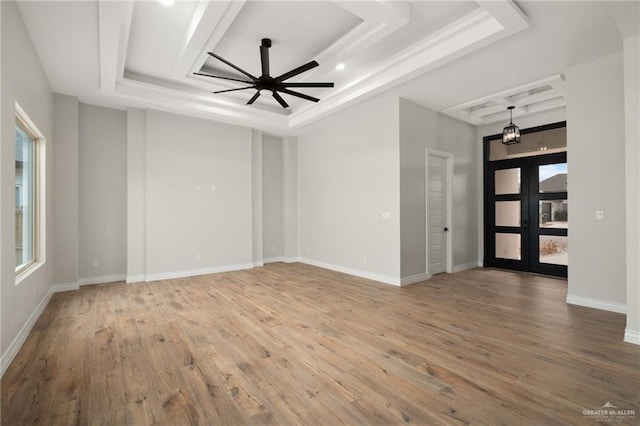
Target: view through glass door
point(526, 212)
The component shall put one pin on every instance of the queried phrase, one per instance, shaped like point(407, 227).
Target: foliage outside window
point(561, 215)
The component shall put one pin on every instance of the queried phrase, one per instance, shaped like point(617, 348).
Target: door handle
point(446, 229)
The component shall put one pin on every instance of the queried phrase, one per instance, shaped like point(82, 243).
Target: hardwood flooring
point(295, 344)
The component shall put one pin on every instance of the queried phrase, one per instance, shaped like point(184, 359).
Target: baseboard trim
point(18, 341)
point(102, 280)
point(632, 336)
point(291, 259)
point(59, 288)
point(414, 279)
point(258, 264)
point(604, 305)
point(352, 271)
point(273, 260)
point(132, 279)
point(467, 266)
point(196, 272)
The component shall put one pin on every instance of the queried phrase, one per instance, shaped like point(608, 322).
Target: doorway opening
point(526, 202)
point(438, 208)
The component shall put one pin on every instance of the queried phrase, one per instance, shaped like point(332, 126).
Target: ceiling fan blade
point(264, 60)
point(296, 71)
point(299, 95)
point(280, 100)
point(306, 84)
point(253, 98)
point(219, 76)
point(232, 66)
point(233, 90)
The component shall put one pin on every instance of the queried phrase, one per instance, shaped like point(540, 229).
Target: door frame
point(488, 245)
point(448, 159)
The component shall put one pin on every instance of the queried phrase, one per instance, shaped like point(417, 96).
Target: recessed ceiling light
point(166, 2)
point(340, 66)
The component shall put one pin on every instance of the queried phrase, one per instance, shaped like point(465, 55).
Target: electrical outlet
point(198, 256)
point(213, 188)
point(95, 263)
point(273, 248)
point(197, 187)
point(364, 259)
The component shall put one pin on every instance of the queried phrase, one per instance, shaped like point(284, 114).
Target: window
point(29, 190)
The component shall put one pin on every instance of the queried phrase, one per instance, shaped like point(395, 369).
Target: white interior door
point(436, 214)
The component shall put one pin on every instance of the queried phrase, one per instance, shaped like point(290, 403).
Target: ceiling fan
point(266, 82)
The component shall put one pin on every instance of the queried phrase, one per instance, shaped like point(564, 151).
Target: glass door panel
point(507, 243)
point(554, 249)
point(508, 213)
point(548, 237)
point(553, 214)
point(508, 246)
point(552, 178)
point(526, 214)
point(507, 181)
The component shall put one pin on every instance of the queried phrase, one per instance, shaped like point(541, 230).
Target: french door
point(526, 212)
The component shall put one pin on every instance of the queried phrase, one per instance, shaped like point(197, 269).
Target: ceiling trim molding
point(218, 15)
point(493, 21)
point(379, 20)
point(114, 25)
point(536, 96)
point(469, 33)
point(177, 100)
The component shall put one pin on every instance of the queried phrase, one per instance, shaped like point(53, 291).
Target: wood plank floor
point(295, 344)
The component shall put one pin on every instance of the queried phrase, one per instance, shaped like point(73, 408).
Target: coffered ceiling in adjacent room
point(144, 54)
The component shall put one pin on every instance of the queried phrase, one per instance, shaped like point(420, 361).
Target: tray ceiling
point(148, 52)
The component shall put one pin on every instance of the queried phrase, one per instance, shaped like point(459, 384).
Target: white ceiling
point(468, 59)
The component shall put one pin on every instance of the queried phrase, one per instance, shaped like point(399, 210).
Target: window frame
point(39, 209)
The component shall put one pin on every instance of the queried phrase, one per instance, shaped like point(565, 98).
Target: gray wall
point(595, 141)
point(65, 190)
point(102, 152)
point(632, 155)
point(184, 217)
point(422, 128)
point(272, 198)
point(290, 199)
point(256, 196)
point(348, 170)
point(136, 194)
point(23, 81)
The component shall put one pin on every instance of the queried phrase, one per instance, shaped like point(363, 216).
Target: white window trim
point(39, 255)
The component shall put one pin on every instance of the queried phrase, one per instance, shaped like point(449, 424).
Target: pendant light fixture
point(511, 133)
